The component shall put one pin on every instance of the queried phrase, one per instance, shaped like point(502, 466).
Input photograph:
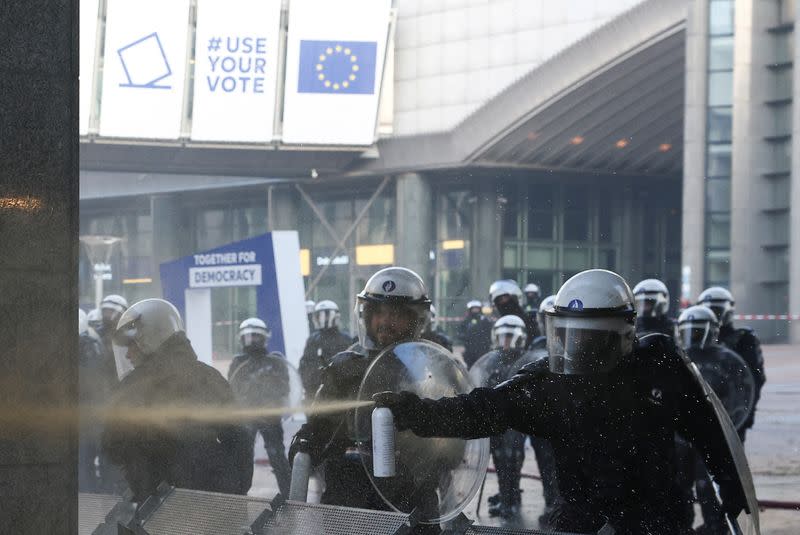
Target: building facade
point(515, 139)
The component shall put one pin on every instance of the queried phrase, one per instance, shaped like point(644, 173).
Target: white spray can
point(301, 472)
point(383, 462)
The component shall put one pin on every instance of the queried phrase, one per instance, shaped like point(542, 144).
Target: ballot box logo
point(346, 67)
point(575, 304)
point(389, 286)
point(145, 63)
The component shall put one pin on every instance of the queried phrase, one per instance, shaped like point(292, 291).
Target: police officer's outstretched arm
point(699, 424)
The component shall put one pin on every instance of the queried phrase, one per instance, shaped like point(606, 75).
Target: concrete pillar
point(38, 268)
point(632, 239)
point(170, 233)
point(694, 146)
point(486, 246)
point(416, 231)
point(794, 203)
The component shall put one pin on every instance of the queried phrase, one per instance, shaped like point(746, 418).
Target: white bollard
point(301, 472)
point(383, 461)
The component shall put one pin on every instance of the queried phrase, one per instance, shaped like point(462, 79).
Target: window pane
point(781, 82)
point(510, 220)
point(718, 268)
point(540, 226)
point(540, 197)
point(576, 259)
point(510, 256)
point(783, 47)
point(718, 229)
point(606, 259)
point(720, 53)
point(576, 226)
point(540, 258)
point(719, 160)
point(719, 124)
point(720, 88)
point(718, 195)
point(720, 19)
point(781, 153)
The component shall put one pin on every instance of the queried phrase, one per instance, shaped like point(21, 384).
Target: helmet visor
point(650, 304)
point(382, 323)
point(722, 308)
point(254, 340)
point(695, 334)
point(509, 339)
point(579, 346)
point(324, 319)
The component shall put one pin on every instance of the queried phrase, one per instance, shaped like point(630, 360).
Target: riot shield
point(436, 476)
point(124, 366)
point(493, 367)
point(748, 523)
point(267, 382)
point(731, 380)
point(529, 357)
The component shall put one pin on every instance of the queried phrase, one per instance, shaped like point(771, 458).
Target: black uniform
point(261, 382)
point(212, 457)
point(544, 456)
point(475, 332)
point(508, 449)
point(612, 435)
point(93, 393)
point(744, 342)
point(438, 337)
point(321, 346)
point(655, 324)
point(330, 440)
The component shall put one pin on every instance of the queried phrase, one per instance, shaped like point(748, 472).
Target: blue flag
point(337, 67)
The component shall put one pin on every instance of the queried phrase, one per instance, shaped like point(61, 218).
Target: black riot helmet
point(698, 327)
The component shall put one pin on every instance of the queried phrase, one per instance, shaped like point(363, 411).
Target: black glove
point(404, 407)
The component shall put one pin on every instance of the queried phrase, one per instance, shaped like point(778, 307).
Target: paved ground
point(773, 448)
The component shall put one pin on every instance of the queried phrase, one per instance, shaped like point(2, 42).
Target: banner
point(144, 68)
point(334, 62)
point(235, 70)
point(87, 53)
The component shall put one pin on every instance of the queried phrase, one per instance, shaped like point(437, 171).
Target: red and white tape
point(766, 316)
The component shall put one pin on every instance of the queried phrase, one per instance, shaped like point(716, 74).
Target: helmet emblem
point(389, 286)
point(575, 304)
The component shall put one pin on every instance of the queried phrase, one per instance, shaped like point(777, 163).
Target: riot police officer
point(475, 331)
point(506, 297)
point(741, 340)
point(194, 455)
point(652, 304)
point(433, 333)
point(508, 449)
point(532, 299)
point(325, 341)
point(92, 393)
point(610, 408)
point(260, 378)
point(310, 304)
point(730, 379)
point(392, 307)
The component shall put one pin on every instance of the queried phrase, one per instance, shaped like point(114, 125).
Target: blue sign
point(337, 67)
point(248, 262)
point(145, 63)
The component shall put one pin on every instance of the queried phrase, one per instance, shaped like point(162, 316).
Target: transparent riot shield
point(499, 365)
point(733, 383)
point(124, 366)
point(267, 382)
point(529, 357)
point(747, 523)
point(436, 476)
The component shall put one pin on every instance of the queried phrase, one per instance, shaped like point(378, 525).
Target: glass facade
point(718, 143)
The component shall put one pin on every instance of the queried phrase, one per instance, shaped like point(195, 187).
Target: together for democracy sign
point(213, 277)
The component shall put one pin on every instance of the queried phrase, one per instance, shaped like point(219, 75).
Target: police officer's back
point(652, 305)
point(741, 340)
point(609, 406)
point(475, 331)
point(324, 342)
point(204, 456)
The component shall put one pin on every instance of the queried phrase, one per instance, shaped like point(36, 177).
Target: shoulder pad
point(540, 342)
point(741, 331)
point(536, 367)
point(658, 347)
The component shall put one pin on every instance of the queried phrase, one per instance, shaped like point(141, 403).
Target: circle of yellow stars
point(337, 84)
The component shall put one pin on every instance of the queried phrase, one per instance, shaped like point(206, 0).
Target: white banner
point(144, 68)
point(217, 277)
point(334, 61)
point(235, 70)
point(87, 53)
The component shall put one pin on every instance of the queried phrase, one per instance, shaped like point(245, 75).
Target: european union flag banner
point(337, 67)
